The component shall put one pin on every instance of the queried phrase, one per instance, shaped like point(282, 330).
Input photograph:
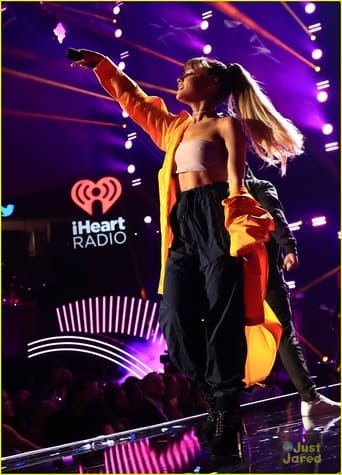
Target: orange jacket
point(247, 233)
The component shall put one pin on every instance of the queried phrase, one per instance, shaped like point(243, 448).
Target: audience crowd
point(72, 407)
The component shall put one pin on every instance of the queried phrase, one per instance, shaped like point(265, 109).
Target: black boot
point(227, 440)
point(209, 427)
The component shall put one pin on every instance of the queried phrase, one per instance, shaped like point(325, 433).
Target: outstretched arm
point(149, 112)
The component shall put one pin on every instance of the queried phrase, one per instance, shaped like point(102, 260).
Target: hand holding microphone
point(84, 57)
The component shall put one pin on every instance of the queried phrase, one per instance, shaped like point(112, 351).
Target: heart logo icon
point(107, 190)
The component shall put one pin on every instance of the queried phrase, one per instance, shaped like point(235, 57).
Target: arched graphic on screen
point(88, 326)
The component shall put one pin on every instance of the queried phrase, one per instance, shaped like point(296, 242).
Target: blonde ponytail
point(273, 138)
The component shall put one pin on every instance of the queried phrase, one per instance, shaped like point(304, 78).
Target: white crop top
point(200, 155)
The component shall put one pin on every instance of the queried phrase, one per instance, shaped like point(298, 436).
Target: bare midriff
point(189, 180)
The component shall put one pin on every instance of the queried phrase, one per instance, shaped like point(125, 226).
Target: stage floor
point(278, 440)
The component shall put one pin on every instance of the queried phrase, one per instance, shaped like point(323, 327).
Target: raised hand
point(84, 57)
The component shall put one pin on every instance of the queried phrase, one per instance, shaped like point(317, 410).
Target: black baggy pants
point(202, 312)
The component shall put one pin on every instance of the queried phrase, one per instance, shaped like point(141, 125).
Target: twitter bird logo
point(6, 211)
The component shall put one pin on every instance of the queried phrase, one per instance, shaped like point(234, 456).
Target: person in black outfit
point(282, 254)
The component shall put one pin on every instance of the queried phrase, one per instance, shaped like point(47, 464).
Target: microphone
point(73, 54)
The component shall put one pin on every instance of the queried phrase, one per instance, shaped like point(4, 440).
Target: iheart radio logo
point(107, 190)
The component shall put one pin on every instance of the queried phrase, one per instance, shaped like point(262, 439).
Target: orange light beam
point(310, 345)
point(231, 11)
point(316, 281)
point(81, 12)
point(49, 82)
point(157, 88)
point(152, 52)
point(38, 115)
point(298, 20)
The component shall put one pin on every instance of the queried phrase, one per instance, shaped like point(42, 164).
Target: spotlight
point(317, 53)
point(136, 182)
point(314, 28)
point(317, 69)
point(207, 49)
point(310, 8)
point(118, 33)
point(325, 359)
point(204, 24)
point(125, 114)
point(206, 15)
point(148, 219)
point(322, 96)
point(295, 226)
point(327, 129)
point(122, 65)
point(331, 147)
point(322, 84)
point(131, 168)
point(117, 8)
point(128, 144)
point(319, 221)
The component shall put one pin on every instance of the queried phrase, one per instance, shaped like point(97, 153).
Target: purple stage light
point(207, 49)
point(322, 96)
point(331, 146)
point(319, 221)
point(317, 53)
point(295, 226)
point(327, 129)
point(310, 8)
point(204, 24)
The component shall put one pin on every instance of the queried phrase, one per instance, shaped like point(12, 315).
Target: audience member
point(151, 408)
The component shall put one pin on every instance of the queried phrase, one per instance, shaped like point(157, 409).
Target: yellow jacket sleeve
point(149, 112)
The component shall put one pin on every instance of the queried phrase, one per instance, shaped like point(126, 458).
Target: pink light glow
point(130, 316)
point(139, 458)
point(84, 316)
point(97, 315)
point(123, 317)
point(170, 462)
point(65, 319)
point(110, 314)
point(72, 318)
point(79, 325)
point(144, 319)
point(151, 321)
point(118, 459)
point(117, 314)
point(60, 321)
point(104, 320)
point(137, 318)
point(132, 459)
point(145, 455)
point(90, 307)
